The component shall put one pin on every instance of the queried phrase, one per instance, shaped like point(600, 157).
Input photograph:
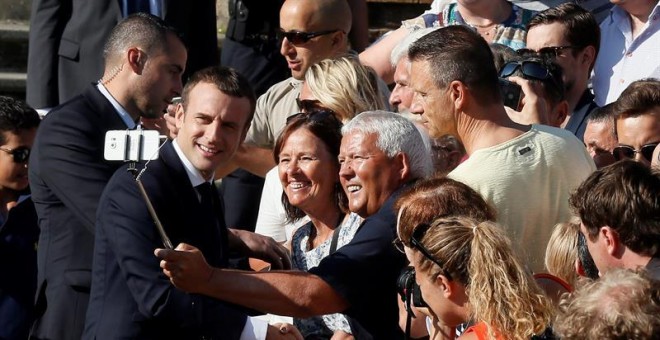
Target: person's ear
point(444, 285)
point(136, 59)
point(612, 241)
point(561, 112)
point(180, 115)
point(402, 162)
point(579, 269)
point(457, 93)
point(588, 56)
point(453, 159)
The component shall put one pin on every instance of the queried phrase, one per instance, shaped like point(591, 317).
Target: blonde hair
point(501, 293)
point(562, 251)
point(622, 304)
point(345, 86)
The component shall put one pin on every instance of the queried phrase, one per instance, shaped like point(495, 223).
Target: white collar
point(194, 175)
point(123, 114)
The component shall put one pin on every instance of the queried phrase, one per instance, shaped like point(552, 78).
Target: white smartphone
point(131, 145)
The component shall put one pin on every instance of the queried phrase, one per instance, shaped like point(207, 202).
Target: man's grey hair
point(395, 135)
point(401, 49)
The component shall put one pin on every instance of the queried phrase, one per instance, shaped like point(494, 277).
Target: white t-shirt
point(528, 181)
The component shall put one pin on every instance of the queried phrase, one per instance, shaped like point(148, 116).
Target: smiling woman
point(306, 154)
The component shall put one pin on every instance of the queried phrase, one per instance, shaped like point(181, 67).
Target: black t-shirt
point(365, 272)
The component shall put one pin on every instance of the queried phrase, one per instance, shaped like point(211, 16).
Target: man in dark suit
point(144, 60)
point(131, 298)
point(67, 37)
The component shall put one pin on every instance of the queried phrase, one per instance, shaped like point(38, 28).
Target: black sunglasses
point(550, 52)
point(628, 152)
point(531, 69)
point(20, 154)
point(415, 243)
point(316, 116)
point(309, 105)
point(299, 38)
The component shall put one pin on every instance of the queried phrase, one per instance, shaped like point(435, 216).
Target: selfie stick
point(161, 231)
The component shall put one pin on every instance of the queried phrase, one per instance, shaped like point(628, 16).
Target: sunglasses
point(316, 116)
point(415, 243)
point(310, 105)
point(550, 52)
point(20, 154)
point(628, 152)
point(299, 38)
point(530, 69)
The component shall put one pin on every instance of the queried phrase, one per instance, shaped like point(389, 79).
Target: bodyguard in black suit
point(131, 298)
point(68, 173)
point(67, 38)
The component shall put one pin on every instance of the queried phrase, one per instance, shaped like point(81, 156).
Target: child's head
point(18, 127)
point(562, 251)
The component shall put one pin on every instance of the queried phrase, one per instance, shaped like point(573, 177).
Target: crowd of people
point(489, 170)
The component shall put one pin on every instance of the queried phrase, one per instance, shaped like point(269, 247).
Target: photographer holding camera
point(422, 203)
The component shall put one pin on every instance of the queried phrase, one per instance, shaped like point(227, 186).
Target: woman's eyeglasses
point(20, 154)
point(549, 52)
point(628, 152)
point(299, 38)
point(530, 69)
point(416, 243)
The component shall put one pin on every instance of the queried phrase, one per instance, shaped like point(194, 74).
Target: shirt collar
point(194, 175)
point(123, 114)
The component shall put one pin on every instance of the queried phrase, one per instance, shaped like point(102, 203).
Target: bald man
point(311, 31)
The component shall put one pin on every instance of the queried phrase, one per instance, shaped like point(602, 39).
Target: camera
point(131, 145)
point(511, 93)
point(408, 289)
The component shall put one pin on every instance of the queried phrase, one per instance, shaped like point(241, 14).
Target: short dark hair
point(16, 116)
point(553, 86)
point(638, 98)
point(604, 114)
point(626, 197)
point(581, 26)
point(139, 29)
point(326, 127)
point(227, 80)
point(459, 53)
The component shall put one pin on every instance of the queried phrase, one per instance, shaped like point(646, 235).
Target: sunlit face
point(553, 35)
point(600, 140)
point(14, 176)
point(308, 172)
point(367, 175)
point(212, 127)
point(441, 307)
point(639, 131)
point(298, 16)
point(160, 79)
point(402, 95)
point(431, 103)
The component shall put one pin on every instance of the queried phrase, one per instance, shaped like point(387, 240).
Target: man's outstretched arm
point(293, 293)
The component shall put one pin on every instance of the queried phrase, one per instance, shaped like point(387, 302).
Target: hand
point(261, 247)
point(185, 266)
point(283, 331)
point(170, 120)
point(533, 107)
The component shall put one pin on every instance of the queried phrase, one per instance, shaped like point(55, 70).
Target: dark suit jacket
point(18, 265)
point(578, 121)
point(131, 298)
point(67, 176)
point(67, 38)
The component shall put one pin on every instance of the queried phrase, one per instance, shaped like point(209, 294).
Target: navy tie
point(154, 7)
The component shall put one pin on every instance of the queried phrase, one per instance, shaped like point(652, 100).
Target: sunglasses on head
point(416, 243)
point(530, 69)
point(315, 116)
point(299, 38)
point(309, 105)
point(550, 52)
point(628, 152)
point(20, 154)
